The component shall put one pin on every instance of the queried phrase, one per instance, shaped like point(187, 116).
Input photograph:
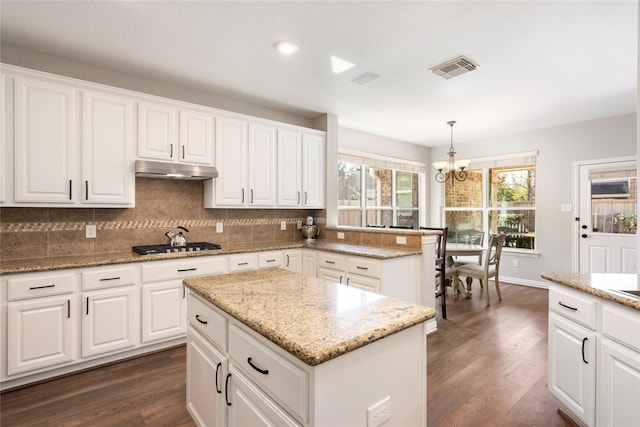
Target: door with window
point(607, 217)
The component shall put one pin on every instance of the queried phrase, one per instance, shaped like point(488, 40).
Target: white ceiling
point(541, 63)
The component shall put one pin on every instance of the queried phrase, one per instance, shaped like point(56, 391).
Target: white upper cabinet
point(107, 148)
point(46, 142)
point(246, 163)
point(157, 131)
point(166, 132)
point(301, 158)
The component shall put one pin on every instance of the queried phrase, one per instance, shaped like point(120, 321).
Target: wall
point(558, 149)
point(160, 204)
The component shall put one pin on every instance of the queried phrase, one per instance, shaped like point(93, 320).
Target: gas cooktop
point(168, 249)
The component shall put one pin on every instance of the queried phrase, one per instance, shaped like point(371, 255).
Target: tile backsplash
point(160, 204)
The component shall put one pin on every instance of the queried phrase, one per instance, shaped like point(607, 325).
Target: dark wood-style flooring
point(486, 367)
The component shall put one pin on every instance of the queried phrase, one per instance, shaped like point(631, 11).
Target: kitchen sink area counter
point(618, 288)
point(313, 320)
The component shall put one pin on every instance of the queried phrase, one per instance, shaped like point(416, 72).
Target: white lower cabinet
point(594, 358)
point(110, 320)
point(572, 367)
point(164, 311)
point(206, 377)
point(41, 322)
point(309, 263)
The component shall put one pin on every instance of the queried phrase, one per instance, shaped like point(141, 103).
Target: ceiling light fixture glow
point(338, 65)
point(286, 47)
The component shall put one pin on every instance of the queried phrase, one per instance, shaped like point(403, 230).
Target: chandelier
point(452, 168)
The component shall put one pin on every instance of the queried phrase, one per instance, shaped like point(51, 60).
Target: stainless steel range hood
point(149, 169)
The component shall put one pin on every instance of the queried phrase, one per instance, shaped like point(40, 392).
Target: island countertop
point(313, 320)
point(605, 286)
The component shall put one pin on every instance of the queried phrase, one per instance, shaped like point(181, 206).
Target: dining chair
point(470, 236)
point(442, 275)
point(490, 266)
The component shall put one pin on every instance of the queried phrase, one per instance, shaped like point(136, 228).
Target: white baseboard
point(525, 282)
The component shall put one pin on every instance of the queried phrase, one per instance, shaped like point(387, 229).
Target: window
point(498, 197)
point(386, 194)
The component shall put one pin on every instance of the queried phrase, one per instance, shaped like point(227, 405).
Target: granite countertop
point(313, 320)
point(31, 265)
point(605, 286)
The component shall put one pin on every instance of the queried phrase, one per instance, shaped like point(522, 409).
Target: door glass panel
point(613, 205)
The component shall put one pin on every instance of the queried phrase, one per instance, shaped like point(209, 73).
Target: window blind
point(382, 162)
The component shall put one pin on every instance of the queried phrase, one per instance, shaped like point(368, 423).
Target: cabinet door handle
point(298, 202)
point(584, 340)
point(68, 309)
point(340, 279)
point(182, 270)
point(218, 389)
point(70, 190)
point(110, 278)
point(87, 306)
point(183, 152)
point(362, 268)
point(262, 371)
point(242, 195)
point(348, 278)
point(226, 390)
point(86, 190)
point(184, 291)
point(287, 260)
point(204, 322)
point(41, 287)
point(171, 151)
point(305, 197)
point(567, 306)
point(251, 196)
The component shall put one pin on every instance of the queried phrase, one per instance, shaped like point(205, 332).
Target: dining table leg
point(456, 283)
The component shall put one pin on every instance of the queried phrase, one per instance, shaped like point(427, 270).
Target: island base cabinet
point(206, 375)
point(250, 407)
point(572, 367)
point(619, 386)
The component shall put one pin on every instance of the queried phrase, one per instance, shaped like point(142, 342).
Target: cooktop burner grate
point(167, 249)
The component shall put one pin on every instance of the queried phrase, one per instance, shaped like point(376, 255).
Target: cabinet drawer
point(364, 266)
point(579, 308)
point(183, 268)
point(108, 278)
point(282, 380)
point(206, 320)
point(622, 325)
point(335, 262)
point(39, 286)
point(243, 262)
point(270, 259)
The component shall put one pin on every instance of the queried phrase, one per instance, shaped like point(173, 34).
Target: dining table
point(461, 249)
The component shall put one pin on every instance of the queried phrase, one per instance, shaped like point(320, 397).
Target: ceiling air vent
point(455, 67)
point(365, 78)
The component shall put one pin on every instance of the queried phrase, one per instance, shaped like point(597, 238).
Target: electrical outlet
point(340, 235)
point(90, 231)
point(401, 240)
point(299, 224)
point(218, 227)
point(516, 262)
point(379, 413)
point(283, 225)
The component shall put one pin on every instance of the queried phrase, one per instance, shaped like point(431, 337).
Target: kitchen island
point(272, 344)
point(594, 347)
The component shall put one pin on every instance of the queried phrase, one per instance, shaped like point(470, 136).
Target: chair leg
point(486, 294)
point(469, 281)
point(498, 288)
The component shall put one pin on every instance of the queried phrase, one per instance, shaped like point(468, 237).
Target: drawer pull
point(33, 288)
point(110, 278)
point(584, 340)
point(567, 306)
point(271, 260)
point(262, 371)
point(243, 263)
point(226, 390)
point(361, 268)
point(204, 322)
point(329, 262)
point(182, 270)
point(218, 366)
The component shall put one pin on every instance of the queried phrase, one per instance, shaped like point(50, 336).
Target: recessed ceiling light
point(287, 47)
point(338, 65)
